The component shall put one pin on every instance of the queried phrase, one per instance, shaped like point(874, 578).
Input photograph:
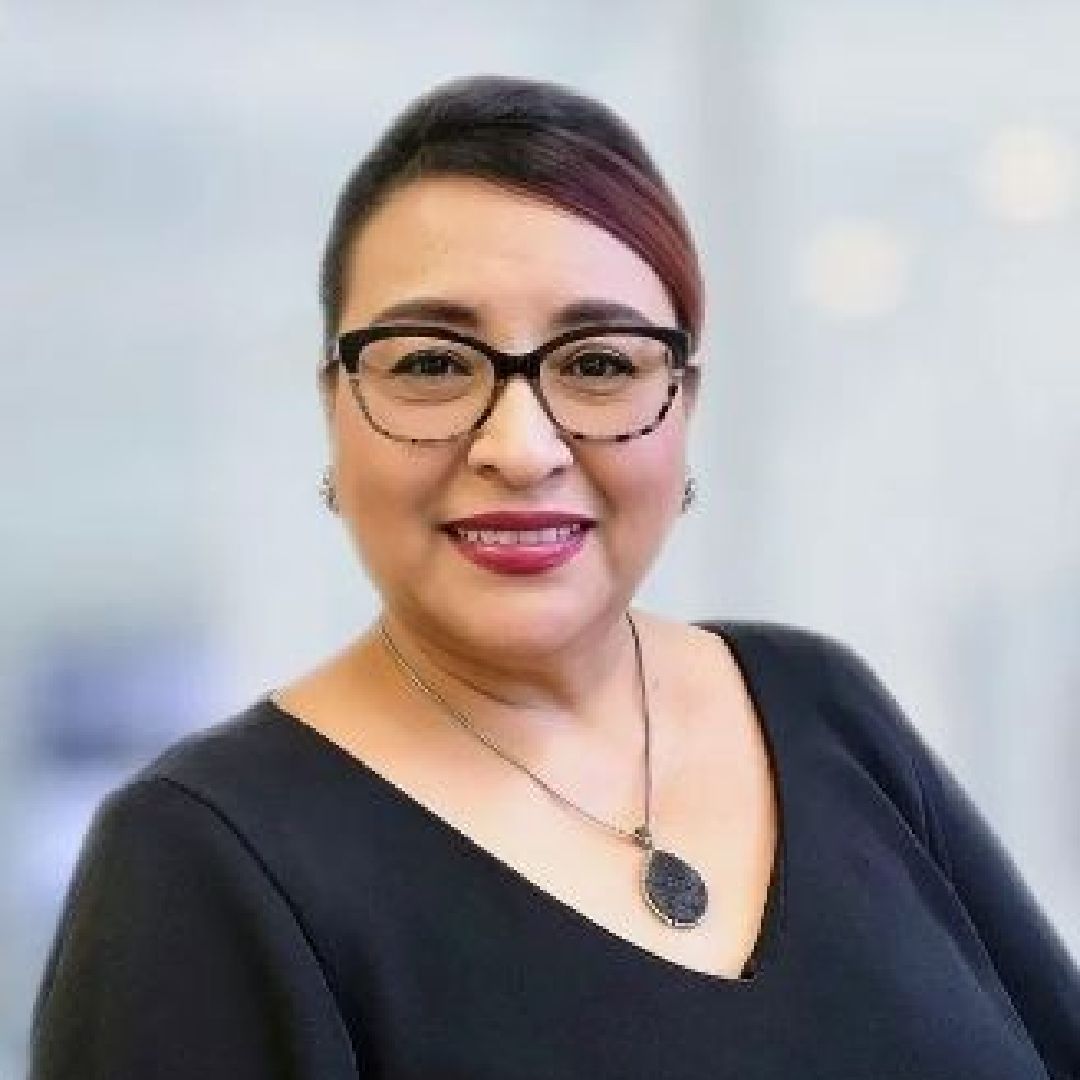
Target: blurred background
point(887, 201)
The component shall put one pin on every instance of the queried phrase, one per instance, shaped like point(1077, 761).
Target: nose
point(518, 440)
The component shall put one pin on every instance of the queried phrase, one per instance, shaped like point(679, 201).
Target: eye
point(598, 363)
point(431, 363)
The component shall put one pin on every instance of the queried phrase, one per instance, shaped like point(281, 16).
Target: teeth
point(519, 536)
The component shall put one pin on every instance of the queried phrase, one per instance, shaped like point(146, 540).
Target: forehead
point(506, 254)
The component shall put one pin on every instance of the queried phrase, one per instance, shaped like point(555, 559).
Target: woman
point(517, 829)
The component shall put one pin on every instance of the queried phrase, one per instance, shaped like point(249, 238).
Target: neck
point(584, 688)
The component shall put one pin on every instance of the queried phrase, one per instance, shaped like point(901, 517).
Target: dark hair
point(537, 137)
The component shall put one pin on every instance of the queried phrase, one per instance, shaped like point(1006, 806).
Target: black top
point(259, 904)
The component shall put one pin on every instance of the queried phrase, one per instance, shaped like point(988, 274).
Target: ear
point(326, 379)
point(691, 383)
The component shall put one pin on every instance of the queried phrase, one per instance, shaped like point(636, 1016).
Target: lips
point(553, 535)
point(520, 542)
point(506, 527)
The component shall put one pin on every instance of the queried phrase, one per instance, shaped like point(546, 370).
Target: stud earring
point(327, 492)
point(689, 493)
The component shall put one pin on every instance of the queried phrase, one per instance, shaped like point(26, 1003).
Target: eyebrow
point(452, 313)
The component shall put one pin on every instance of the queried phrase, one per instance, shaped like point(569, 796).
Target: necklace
point(674, 891)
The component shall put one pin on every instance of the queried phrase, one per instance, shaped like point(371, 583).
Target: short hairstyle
point(534, 137)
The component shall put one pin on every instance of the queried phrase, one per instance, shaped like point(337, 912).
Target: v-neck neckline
point(763, 955)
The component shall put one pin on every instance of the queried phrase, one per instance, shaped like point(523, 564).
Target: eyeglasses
point(424, 384)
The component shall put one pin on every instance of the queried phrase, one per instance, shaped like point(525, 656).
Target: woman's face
point(515, 261)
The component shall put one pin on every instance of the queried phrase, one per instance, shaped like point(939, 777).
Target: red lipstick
point(519, 541)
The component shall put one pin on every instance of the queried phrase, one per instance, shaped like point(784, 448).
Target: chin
point(521, 624)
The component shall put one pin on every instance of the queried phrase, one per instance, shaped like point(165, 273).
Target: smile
point(520, 551)
point(556, 535)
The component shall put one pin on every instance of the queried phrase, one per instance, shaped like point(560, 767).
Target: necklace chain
point(642, 835)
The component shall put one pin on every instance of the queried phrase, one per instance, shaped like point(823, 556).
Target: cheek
point(644, 481)
point(387, 495)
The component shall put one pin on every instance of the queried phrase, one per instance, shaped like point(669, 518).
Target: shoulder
point(819, 661)
point(821, 667)
point(239, 808)
point(836, 701)
point(232, 786)
point(178, 942)
point(246, 750)
point(813, 661)
point(192, 788)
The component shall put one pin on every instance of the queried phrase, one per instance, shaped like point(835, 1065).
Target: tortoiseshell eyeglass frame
point(348, 346)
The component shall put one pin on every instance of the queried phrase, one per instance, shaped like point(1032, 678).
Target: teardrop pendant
point(674, 890)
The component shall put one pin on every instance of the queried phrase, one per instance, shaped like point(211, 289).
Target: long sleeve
point(177, 956)
point(1030, 958)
